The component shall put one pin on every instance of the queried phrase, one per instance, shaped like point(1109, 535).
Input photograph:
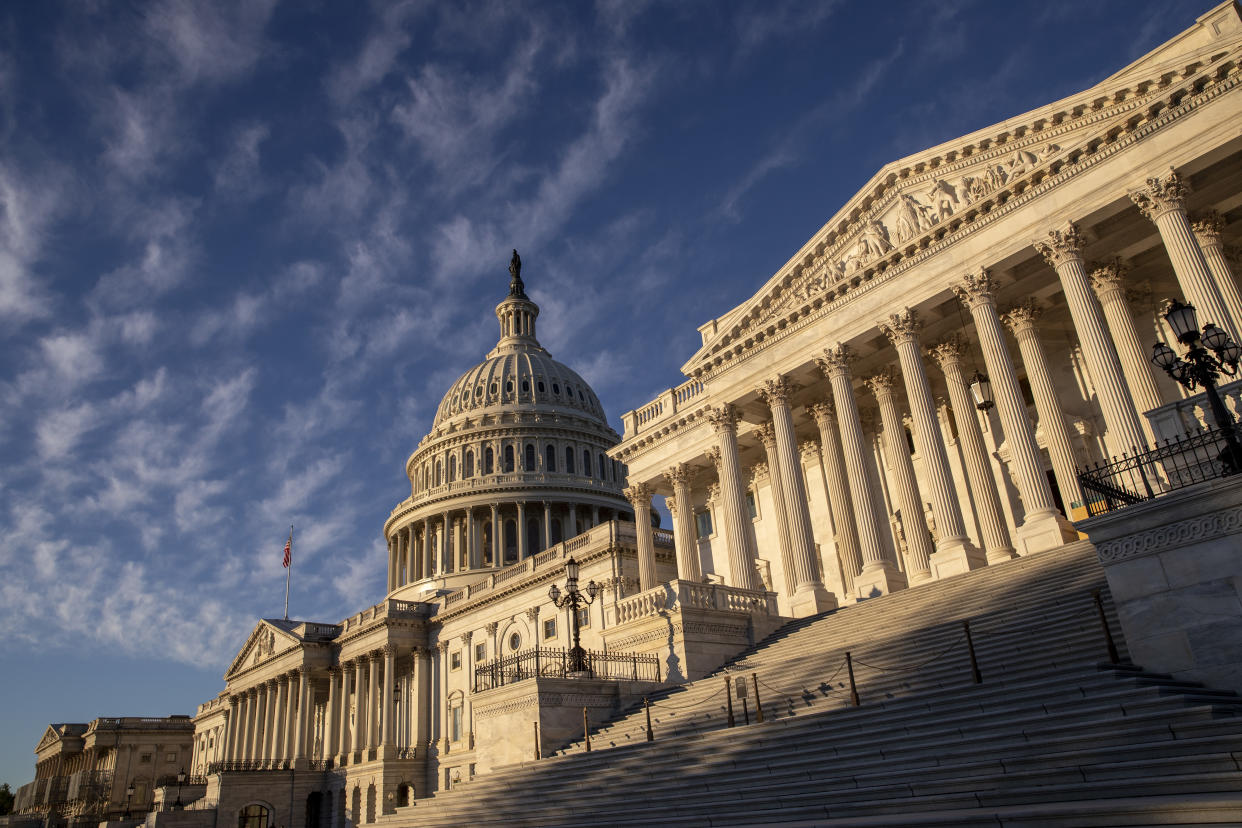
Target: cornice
point(411, 510)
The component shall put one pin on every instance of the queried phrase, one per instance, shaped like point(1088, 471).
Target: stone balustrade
point(1181, 417)
point(664, 406)
point(694, 595)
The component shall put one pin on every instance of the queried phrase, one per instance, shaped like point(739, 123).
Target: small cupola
point(517, 313)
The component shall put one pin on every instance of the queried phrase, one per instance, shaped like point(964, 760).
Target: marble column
point(357, 741)
point(1207, 229)
point(1062, 249)
point(1042, 527)
point(420, 699)
point(839, 500)
point(230, 729)
point(1162, 200)
point(286, 741)
point(392, 564)
point(571, 531)
point(810, 595)
point(909, 499)
point(738, 539)
point(878, 575)
point(547, 525)
point(954, 553)
point(1021, 320)
point(639, 496)
point(331, 714)
point(996, 543)
point(280, 702)
point(302, 718)
point(497, 552)
point(411, 557)
point(390, 658)
point(766, 433)
point(426, 573)
point(521, 531)
point(252, 725)
point(373, 701)
point(263, 711)
point(681, 509)
point(345, 744)
point(1107, 281)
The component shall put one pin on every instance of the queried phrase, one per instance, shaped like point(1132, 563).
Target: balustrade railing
point(694, 595)
point(666, 404)
point(556, 662)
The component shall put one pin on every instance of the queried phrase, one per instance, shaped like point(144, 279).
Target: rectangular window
point(480, 652)
point(750, 505)
point(171, 756)
point(549, 628)
point(584, 617)
point(145, 758)
point(455, 716)
point(703, 523)
point(455, 660)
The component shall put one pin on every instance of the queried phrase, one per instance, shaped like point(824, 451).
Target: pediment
point(50, 736)
point(910, 204)
point(267, 641)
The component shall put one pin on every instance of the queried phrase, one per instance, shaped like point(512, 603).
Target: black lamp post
point(575, 600)
point(1201, 368)
point(129, 794)
point(981, 390)
point(180, 781)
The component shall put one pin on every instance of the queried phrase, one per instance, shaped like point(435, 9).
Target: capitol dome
point(516, 461)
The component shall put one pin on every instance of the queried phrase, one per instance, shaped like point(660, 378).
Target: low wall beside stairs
point(1174, 567)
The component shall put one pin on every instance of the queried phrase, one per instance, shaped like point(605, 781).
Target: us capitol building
point(827, 446)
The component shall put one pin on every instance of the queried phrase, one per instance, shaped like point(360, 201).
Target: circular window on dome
point(509, 387)
point(515, 642)
point(540, 386)
point(556, 389)
point(525, 386)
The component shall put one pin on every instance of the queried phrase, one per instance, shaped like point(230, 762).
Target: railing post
point(849, 666)
point(586, 729)
point(1113, 656)
point(650, 734)
point(754, 677)
point(729, 697)
point(970, 646)
point(635, 666)
point(537, 753)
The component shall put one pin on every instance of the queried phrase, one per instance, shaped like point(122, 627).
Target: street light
point(1201, 368)
point(575, 600)
point(180, 781)
point(129, 794)
point(981, 390)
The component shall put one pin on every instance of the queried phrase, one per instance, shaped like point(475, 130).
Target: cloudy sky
point(246, 246)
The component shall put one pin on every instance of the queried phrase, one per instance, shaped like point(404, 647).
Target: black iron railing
point(1171, 465)
point(170, 781)
point(555, 662)
point(264, 765)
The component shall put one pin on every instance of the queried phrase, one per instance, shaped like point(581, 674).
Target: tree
point(6, 799)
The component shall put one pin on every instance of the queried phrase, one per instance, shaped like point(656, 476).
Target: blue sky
point(245, 247)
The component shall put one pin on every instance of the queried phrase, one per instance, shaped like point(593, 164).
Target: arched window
point(603, 468)
point(556, 389)
point(488, 460)
point(534, 536)
point(510, 540)
point(557, 536)
point(586, 462)
point(550, 459)
point(509, 459)
point(452, 468)
point(540, 386)
point(530, 457)
point(469, 470)
point(252, 816)
point(569, 460)
point(403, 795)
point(437, 472)
point(525, 386)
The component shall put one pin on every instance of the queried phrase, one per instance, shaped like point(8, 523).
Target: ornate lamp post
point(129, 794)
point(575, 600)
point(180, 781)
point(981, 391)
point(1201, 368)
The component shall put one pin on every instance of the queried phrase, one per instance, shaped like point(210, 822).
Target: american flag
point(288, 551)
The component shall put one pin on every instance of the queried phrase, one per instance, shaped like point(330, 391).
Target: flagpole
point(289, 572)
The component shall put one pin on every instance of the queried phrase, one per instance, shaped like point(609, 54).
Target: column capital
point(948, 351)
point(766, 432)
point(670, 503)
point(835, 361)
point(880, 384)
point(679, 475)
point(465, 637)
point(389, 650)
point(1160, 195)
point(1021, 318)
point(335, 670)
point(759, 471)
point(1106, 278)
point(809, 448)
point(713, 492)
point(825, 413)
point(532, 613)
point(723, 418)
point(714, 455)
point(902, 327)
point(491, 627)
point(976, 288)
point(776, 391)
point(1061, 246)
point(639, 495)
point(1207, 227)
point(442, 646)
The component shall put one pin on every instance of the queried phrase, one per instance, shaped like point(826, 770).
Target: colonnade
point(1117, 370)
point(492, 456)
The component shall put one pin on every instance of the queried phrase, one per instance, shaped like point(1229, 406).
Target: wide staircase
point(1041, 727)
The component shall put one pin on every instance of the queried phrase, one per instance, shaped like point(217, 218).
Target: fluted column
point(954, 551)
point(426, 573)
point(810, 595)
point(1107, 282)
point(277, 719)
point(682, 510)
point(918, 539)
point(390, 657)
point(411, 555)
point(742, 554)
point(331, 714)
point(420, 689)
point(996, 543)
point(286, 741)
point(252, 725)
point(767, 436)
point(357, 741)
point(1207, 229)
point(639, 496)
point(230, 730)
point(839, 500)
point(393, 546)
point(521, 531)
point(1163, 202)
point(1062, 249)
point(373, 701)
point(1042, 527)
point(497, 534)
point(878, 575)
point(345, 744)
point(301, 733)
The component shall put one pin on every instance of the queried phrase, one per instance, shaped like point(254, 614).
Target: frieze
point(1171, 536)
